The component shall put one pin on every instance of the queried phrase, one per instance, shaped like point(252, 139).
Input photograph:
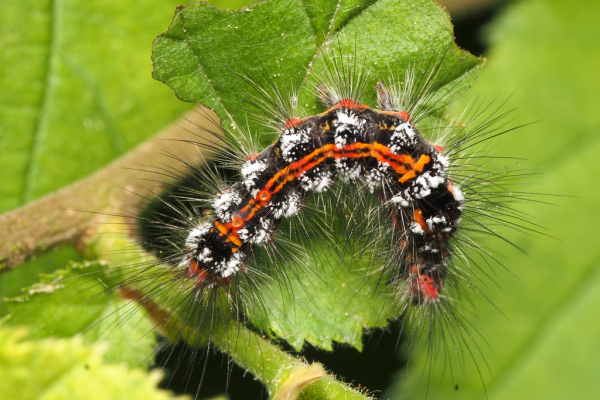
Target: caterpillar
point(220, 236)
point(379, 147)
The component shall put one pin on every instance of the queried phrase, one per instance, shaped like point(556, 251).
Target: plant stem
point(277, 369)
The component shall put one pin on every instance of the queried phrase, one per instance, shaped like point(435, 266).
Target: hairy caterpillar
point(223, 239)
point(380, 148)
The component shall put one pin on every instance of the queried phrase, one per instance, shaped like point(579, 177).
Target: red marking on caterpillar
point(404, 115)
point(348, 103)
point(423, 286)
point(290, 123)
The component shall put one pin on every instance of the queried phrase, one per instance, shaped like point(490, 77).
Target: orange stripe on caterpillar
point(356, 150)
point(419, 219)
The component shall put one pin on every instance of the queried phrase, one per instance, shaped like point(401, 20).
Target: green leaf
point(73, 300)
point(66, 369)
point(335, 304)
point(61, 304)
point(546, 347)
point(76, 89)
point(128, 331)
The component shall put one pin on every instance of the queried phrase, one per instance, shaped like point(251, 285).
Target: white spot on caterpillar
point(289, 207)
point(443, 161)
point(244, 234)
point(204, 256)
point(435, 220)
point(290, 139)
point(403, 136)
point(262, 232)
point(231, 266)
point(319, 183)
point(421, 188)
point(251, 167)
point(458, 194)
point(416, 228)
point(402, 199)
point(348, 171)
point(223, 203)
point(347, 126)
point(195, 234)
point(344, 120)
point(251, 170)
point(428, 249)
point(374, 177)
point(425, 182)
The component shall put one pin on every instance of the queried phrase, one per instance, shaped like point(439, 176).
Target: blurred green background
point(76, 92)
